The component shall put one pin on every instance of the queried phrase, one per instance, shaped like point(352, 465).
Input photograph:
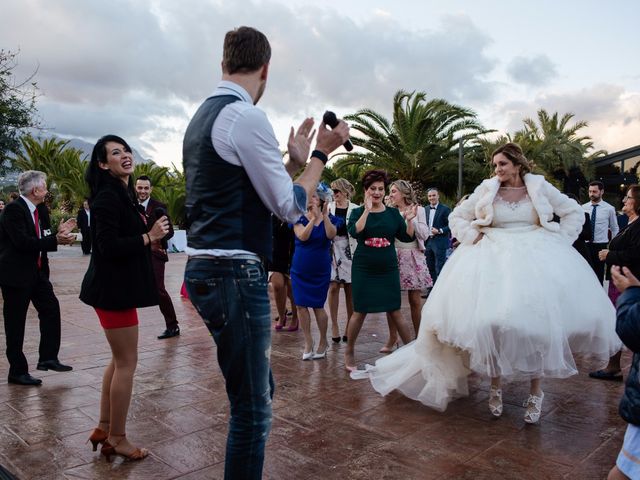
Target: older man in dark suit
point(437, 242)
point(25, 239)
point(153, 210)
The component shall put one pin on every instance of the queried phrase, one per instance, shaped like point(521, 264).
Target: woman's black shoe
point(335, 339)
point(344, 338)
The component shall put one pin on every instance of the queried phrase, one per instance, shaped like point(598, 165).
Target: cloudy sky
point(140, 68)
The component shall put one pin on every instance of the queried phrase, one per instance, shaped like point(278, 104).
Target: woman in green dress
point(374, 273)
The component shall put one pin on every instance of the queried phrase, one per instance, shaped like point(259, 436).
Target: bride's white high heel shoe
point(495, 401)
point(534, 408)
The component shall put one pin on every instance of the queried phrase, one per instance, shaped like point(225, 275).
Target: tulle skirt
point(516, 305)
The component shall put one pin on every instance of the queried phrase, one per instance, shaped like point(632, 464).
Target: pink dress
point(414, 274)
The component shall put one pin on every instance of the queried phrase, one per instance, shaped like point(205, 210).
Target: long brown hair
point(513, 152)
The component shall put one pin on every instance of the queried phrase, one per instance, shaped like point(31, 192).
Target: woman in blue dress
point(311, 271)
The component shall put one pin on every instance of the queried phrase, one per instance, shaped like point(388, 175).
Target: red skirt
point(117, 318)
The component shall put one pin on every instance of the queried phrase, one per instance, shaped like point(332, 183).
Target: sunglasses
point(335, 190)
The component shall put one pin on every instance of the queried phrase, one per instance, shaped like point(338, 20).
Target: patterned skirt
point(341, 260)
point(414, 274)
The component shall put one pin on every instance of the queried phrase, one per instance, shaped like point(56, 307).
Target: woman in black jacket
point(623, 251)
point(628, 329)
point(119, 280)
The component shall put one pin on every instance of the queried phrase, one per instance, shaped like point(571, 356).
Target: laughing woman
point(375, 275)
point(119, 280)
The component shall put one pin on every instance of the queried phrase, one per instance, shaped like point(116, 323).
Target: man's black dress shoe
point(54, 365)
point(169, 332)
point(24, 379)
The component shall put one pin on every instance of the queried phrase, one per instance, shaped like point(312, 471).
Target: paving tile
point(325, 426)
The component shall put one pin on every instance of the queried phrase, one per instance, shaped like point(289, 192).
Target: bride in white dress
point(514, 301)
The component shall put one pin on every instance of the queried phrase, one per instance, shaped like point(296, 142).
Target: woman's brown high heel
point(108, 450)
point(98, 436)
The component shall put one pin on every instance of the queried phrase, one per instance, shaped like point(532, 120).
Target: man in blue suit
point(438, 241)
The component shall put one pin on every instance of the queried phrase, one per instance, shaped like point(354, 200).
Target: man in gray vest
point(235, 179)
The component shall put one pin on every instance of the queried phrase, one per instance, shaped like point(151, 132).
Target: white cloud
point(123, 66)
point(612, 113)
point(536, 71)
point(140, 67)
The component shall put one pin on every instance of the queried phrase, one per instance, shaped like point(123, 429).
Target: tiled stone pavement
point(326, 426)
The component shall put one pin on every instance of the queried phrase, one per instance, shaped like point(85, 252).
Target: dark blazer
point(584, 236)
point(83, 220)
point(158, 249)
point(440, 221)
point(20, 247)
point(628, 329)
point(119, 274)
point(624, 249)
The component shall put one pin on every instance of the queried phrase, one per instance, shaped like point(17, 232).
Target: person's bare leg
point(322, 320)
point(294, 309)
point(355, 324)
point(415, 303)
point(124, 346)
point(305, 323)
point(105, 394)
point(334, 292)
point(393, 336)
point(401, 327)
point(348, 298)
point(279, 286)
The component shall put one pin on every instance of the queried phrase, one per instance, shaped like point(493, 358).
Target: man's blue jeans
point(231, 297)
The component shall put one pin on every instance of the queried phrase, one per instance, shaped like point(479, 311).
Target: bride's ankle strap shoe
point(495, 401)
point(534, 408)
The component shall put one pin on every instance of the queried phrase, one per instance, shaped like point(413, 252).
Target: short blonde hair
point(344, 186)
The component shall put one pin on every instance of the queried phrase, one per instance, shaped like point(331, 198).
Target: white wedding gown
point(516, 305)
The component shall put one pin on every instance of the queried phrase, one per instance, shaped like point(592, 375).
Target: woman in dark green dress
point(374, 273)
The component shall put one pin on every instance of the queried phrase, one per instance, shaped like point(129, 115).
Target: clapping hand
point(64, 235)
point(368, 202)
point(325, 209)
point(67, 226)
point(314, 211)
point(623, 278)
point(299, 143)
point(411, 212)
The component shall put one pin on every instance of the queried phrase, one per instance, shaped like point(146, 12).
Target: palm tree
point(420, 144)
point(155, 173)
point(555, 147)
point(62, 164)
point(171, 190)
point(352, 172)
